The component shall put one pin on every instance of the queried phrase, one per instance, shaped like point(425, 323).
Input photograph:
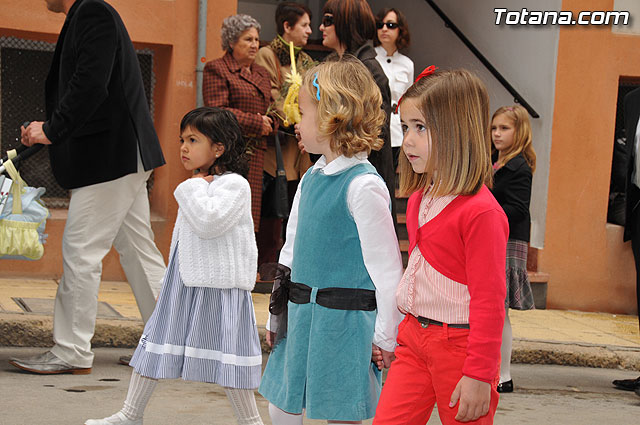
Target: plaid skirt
point(519, 294)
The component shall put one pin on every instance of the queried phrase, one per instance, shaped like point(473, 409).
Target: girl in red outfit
point(453, 289)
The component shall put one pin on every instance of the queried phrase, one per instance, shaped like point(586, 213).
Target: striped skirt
point(200, 334)
point(519, 294)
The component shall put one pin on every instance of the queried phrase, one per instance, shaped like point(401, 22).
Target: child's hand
point(380, 357)
point(474, 397)
point(387, 357)
point(271, 338)
point(267, 125)
point(299, 139)
point(376, 356)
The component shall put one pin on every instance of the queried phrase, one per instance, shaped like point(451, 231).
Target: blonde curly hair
point(349, 112)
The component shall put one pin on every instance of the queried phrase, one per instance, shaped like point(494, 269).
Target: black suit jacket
point(97, 113)
point(631, 114)
point(512, 190)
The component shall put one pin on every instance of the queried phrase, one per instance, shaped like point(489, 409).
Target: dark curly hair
point(220, 126)
point(404, 38)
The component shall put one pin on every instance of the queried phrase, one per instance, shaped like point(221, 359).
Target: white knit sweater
point(215, 229)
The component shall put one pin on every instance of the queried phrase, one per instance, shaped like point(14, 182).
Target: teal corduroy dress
point(324, 364)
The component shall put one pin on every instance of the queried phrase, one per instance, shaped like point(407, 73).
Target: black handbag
point(275, 197)
point(281, 201)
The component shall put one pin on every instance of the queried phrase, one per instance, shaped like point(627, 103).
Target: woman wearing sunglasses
point(348, 26)
point(392, 36)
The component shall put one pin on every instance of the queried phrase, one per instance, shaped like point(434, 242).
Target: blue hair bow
point(316, 85)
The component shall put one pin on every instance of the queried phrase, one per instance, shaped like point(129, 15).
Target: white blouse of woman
point(397, 67)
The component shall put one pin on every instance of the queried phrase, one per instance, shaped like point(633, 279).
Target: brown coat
point(227, 85)
point(295, 162)
point(246, 94)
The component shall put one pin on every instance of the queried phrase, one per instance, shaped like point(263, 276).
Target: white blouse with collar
point(399, 70)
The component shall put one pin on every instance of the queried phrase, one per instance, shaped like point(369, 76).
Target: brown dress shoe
point(48, 364)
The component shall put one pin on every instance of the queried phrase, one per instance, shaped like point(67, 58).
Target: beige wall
point(169, 28)
point(591, 268)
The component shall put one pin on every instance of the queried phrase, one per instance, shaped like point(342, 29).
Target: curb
point(30, 330)
point(575, 354)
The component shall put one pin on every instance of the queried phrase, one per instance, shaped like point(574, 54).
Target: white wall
point(633, 7)
point(525, 56)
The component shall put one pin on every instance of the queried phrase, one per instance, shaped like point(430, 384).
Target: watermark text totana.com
point(563, 17)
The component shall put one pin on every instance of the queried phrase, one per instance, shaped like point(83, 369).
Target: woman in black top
point(514, 162)
point(348, 27)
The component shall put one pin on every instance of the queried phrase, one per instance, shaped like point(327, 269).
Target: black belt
point(426, 322)
point(335, 298)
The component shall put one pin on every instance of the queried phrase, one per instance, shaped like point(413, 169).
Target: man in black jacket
point(102, 146)
point(632, 216)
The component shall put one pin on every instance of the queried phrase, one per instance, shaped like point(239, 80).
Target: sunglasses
point(390, 25)
point(327, 20)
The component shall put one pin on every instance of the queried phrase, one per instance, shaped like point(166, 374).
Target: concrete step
point(539, 283)
point(404, 250)
point(401, 203)
point(401, 228)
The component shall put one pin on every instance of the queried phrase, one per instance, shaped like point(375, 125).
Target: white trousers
point(101, 215)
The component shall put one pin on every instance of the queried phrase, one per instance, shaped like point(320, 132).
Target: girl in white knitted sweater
point(203, 327)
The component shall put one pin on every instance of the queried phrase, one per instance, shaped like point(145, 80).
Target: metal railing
point(516, 96)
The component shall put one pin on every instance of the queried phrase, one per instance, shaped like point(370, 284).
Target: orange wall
point(591, 268)
point(169, 28)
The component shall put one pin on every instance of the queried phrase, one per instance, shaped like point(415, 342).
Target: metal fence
point(24, 65)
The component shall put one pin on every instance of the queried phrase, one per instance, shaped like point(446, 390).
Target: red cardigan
point(467, 242)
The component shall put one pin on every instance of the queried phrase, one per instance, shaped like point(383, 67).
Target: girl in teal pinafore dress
point(344, 260)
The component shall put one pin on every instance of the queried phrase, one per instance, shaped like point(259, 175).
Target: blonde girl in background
point(514, 162)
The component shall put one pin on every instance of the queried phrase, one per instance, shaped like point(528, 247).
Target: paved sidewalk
point(540, 336)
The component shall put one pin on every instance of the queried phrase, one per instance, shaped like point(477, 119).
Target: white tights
point(280, 417)
point(141, 388)
point(505, 350)
point(244, 406)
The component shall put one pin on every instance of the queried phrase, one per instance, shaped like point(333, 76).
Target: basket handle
point(16, 187)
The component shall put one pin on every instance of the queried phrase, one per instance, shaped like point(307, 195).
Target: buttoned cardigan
point(467, 242)
point(214, 233)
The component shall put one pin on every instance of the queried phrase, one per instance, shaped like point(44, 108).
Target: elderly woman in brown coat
point(235, 82)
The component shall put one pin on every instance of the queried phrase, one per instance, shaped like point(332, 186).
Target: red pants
point(426, 370)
